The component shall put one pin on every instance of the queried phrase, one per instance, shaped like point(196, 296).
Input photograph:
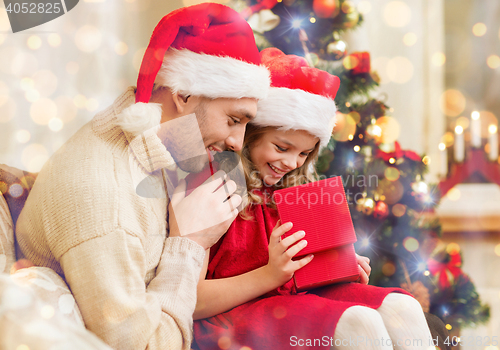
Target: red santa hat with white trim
point(300, 97)
point(203, 50)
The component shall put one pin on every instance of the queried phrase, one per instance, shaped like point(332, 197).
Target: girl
point(248, 300)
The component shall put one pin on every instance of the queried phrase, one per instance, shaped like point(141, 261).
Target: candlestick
point(443, 162)
point(475, 129)
point(459, 144)
point(493, 139)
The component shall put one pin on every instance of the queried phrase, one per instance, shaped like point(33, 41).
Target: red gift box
point(320, 209)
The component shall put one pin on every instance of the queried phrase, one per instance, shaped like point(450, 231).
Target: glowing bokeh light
point(497, 249)
point(32, 95)
point(34, 42)
point(356, 148)
point(493, 61)
point(442, 146)
point(390, 129)
point(452, 102)
point(4, 93)
point(400, 70)
point(454, 194)
point(72, 67)
point(43, 110)
point(350, 62)
point(312, 20)
point(88, 38)
point(397, 14)
point(55, 124)
point(80, 101)
point(92, 104)
point(121, 48)
point(399, 210)
point(23, 136)
point(388, 269)
point(23, 64)
point(438, 59)
point(54, 40)
point(426, 160)
point(392, 160)
point(448, 139)
point(410, 39)
point(34, 157)
point(45, 82)
point(459, 130)
point(345, 126)
point(47, 311)
point(4, 20)
point(364, 7)
point(463, 122)
point(224, 343)
point(7, 110)
point(66, 108)
point(479, 29)
point(411, 244)
point(492, 129)
point(452, 248)
point(391, 173)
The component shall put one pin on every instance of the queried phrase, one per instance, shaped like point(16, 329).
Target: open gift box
point(320, 209)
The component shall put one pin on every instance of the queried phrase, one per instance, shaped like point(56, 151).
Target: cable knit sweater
point(135, 288)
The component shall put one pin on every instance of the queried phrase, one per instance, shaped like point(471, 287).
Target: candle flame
point(475, 115)
point(459, 130)
point(442, 146)
point(492, 129)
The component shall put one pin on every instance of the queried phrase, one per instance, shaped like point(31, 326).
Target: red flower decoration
point(363, 59)
point(398, 153)
point(446, 271)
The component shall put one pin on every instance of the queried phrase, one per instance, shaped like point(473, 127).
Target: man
point(131, 267)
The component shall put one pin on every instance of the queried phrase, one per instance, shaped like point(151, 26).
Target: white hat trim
point(212, 76)
point(295, 109)
point(140, 117)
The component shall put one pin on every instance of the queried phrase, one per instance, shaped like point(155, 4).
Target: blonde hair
point(302, 175)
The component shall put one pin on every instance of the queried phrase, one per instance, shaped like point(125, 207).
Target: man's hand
point(364, 269)
point(206, 214)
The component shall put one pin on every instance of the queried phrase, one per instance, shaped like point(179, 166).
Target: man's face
point(222, 125)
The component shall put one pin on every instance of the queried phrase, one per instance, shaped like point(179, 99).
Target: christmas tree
point(384, 184)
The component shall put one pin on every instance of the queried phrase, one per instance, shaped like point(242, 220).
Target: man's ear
point(180, 102)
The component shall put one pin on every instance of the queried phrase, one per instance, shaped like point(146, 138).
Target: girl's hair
point(299, 176)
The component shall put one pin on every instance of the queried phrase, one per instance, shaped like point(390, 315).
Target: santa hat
point(300, 97)
point(207, 50)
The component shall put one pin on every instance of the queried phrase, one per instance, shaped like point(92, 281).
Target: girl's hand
point(281, 266)
point(364, 269)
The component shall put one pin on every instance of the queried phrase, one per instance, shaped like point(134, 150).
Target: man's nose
point(235, 139)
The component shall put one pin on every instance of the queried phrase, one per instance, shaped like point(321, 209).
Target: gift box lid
point(321, 210)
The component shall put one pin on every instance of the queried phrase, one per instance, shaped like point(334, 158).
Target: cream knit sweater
point(135, 288)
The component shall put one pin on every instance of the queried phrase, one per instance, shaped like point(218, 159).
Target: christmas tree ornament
point(365, 206)
point(336, 50)
point(263, 21)
point(351, 15)
point(326, 8)
point(381, 210)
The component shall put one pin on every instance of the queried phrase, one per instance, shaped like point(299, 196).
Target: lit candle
point(475, 129)
point(443, 159)
point(492, 129)
point(459, 144)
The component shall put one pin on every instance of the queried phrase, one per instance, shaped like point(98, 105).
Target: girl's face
point(278, 152)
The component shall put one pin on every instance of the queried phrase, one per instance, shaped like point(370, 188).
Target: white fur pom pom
point(140, 117)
